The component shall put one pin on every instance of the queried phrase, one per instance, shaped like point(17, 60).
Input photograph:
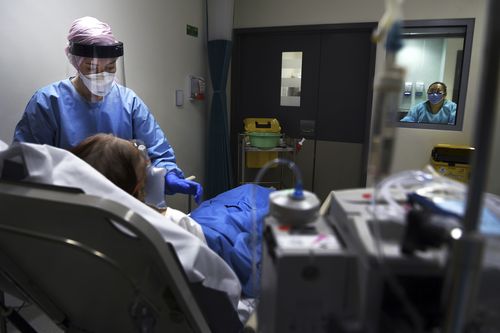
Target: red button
point(284, 227)
point(366, 195)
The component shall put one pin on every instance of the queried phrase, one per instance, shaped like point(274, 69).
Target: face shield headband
point(96, 51)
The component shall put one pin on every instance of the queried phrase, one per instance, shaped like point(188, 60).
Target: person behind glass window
point(436, 109)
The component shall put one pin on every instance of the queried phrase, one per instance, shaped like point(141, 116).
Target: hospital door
point(329, 104)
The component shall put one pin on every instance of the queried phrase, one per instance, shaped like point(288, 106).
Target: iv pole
point(463, 278)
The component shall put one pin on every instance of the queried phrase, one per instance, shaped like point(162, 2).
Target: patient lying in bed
point(50, 165)
point(224, 223)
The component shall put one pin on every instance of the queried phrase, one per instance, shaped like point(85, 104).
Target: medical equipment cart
point(249, 165)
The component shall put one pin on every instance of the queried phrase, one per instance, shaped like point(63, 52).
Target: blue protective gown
point(227, 222)
point(59, 116)
point(421, 113)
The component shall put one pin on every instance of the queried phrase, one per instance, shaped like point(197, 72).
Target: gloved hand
point(174, 184)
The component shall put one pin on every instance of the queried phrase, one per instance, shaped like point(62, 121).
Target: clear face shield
point(99, 67)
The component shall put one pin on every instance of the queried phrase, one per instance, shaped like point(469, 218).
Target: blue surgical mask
point(435, 98)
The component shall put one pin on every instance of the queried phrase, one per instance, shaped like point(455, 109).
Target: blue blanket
point(226, 221)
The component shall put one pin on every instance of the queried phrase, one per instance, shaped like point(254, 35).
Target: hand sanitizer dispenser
point(408, 89)
point(419, 89)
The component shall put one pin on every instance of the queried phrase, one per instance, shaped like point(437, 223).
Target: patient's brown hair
point(117, 159)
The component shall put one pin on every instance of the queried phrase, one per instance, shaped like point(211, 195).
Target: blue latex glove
point(174, 184)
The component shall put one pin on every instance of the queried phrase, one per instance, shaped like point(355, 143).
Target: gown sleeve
point(160, 151)
point(37, 124)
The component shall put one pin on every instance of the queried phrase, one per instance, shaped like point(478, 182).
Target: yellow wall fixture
point(452, 161)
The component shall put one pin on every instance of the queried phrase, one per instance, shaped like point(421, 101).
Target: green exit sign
point(192, 30)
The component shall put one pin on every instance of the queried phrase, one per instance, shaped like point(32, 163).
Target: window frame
point(444, 28)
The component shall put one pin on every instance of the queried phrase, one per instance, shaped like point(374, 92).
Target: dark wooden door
point(256, 79)
point(335, 100)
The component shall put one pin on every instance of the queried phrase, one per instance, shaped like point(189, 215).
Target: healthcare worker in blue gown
point(437, 109)
point(64, 113)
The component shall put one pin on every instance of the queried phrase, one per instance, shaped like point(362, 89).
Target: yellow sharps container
point(452, 161)
point(263, 134)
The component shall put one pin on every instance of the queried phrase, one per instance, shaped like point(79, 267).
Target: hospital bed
point(94, 265)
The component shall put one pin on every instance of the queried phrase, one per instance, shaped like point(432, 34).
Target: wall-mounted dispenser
point(197, 87)
point(408, 88)
point(419, 89)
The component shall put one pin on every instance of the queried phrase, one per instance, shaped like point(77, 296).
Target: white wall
point(452, 46)
point(423, 61)
point(158, 58)
point(413, 145)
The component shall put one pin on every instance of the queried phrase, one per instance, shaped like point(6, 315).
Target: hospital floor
point(42, 323)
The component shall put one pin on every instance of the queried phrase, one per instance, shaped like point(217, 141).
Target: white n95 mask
point(99, 84)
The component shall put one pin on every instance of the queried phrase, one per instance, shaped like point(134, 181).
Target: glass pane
point(291, 78)
point(428, 60)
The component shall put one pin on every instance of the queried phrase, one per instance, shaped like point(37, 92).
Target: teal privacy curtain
point(219, 175)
